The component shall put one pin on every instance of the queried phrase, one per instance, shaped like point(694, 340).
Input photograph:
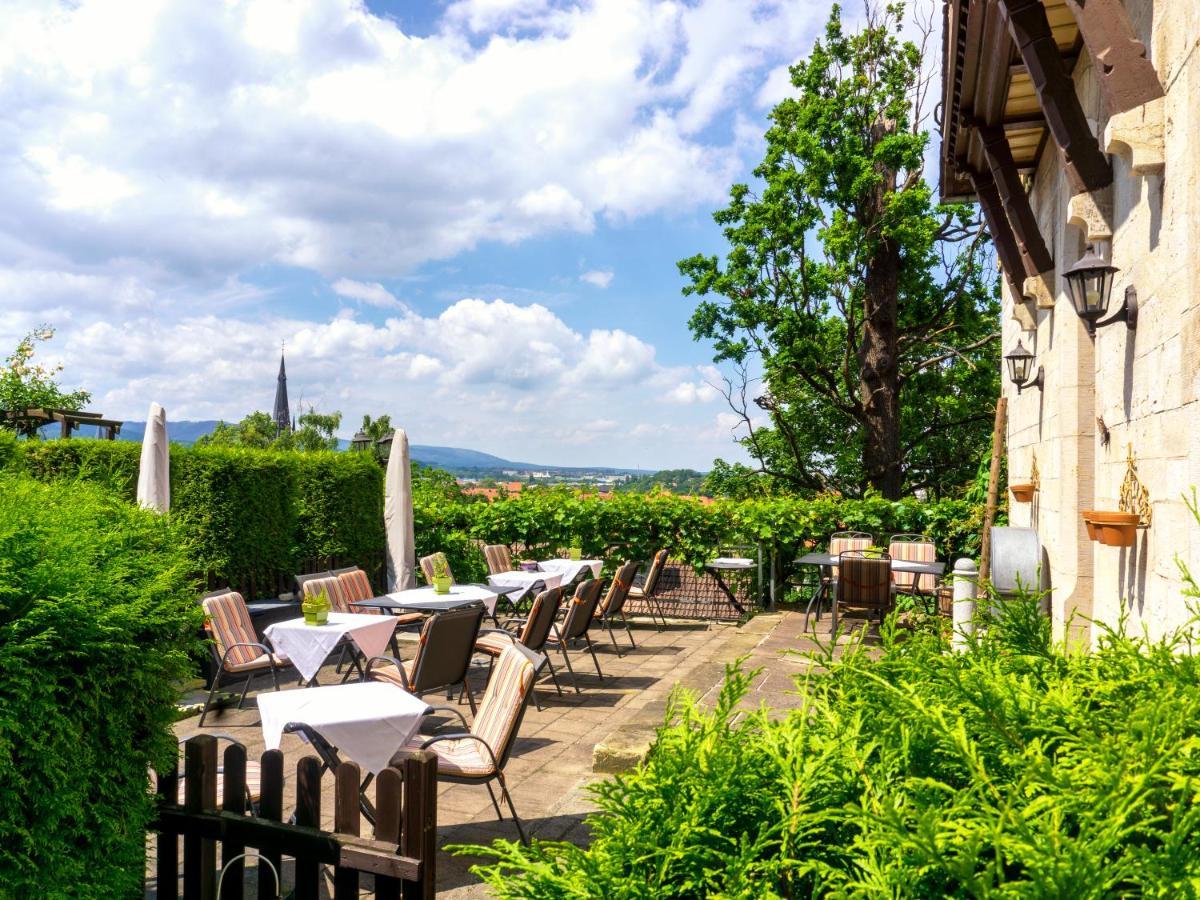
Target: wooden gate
point(401, 855)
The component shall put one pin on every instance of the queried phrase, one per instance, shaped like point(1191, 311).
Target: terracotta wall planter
point(1111, 528)
point(1023, 493)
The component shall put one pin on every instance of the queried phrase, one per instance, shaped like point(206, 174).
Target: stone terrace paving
point(576, 737)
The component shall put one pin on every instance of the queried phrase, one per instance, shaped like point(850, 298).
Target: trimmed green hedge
point(253, 518)
point(249, 518)
point(98, 617)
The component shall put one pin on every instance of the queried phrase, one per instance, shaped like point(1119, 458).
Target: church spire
point(281, 415)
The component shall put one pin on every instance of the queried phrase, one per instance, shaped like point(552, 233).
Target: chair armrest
point(263, 647)
point(463, 737)
point(507, 634)
point(449, 709)
point(388, 659)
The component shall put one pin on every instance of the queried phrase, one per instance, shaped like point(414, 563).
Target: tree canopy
point(865, 307)
point(25, 384)
point(314, 431)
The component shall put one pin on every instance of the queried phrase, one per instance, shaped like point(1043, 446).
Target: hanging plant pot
point(1023, 493)
point(1112, 528)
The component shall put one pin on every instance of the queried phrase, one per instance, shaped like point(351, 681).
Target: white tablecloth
point(731, 563)
point(367, 722)
point(569, 569)
point(307, 646)
point(427, 600)
point(526, 579)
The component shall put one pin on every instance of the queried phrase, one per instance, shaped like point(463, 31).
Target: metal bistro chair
point(839, 542)
point(913, 548)
point(581, 612)
point(533, 635)
point(443, 655)
point(645, 591)
point(864, 582)
point(235, 645)
point(613, 605)
point(498, 557)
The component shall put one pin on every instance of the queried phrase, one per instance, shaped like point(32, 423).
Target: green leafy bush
point(97, 619)
point(1012, 769)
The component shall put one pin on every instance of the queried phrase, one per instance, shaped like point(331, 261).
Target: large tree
point(866, 306)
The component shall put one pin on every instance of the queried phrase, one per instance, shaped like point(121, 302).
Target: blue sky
point(466, 214)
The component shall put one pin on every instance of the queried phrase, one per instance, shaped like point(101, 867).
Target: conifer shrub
point(98, 616)
point(1015, 768)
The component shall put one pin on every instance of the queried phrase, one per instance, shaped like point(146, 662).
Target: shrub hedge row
point(253, 517)
point(97, 621)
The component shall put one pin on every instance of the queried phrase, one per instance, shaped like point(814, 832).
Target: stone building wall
point(1141, 385)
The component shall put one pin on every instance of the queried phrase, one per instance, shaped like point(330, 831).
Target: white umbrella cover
point(398, 517)
point(154, 473)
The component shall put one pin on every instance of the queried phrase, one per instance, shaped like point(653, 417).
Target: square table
point(424, 599)
point(368, 722)
point(729, 564)
point(569, 569)
point(307, 646)
point(898, 565)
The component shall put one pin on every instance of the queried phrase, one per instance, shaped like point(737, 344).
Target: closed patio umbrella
point(154, 472)
point(398, 517)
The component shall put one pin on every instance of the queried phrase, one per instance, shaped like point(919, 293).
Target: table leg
point(728, 593)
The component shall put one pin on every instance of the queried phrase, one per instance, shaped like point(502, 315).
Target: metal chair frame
point(222, 660)
point(614, 604)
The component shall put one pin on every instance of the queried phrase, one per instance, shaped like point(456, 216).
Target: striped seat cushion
point(391, 674)
point(332, 586)
point(227, 622)
point(493, 644)
point(426, 563)
point(865, 582)
point(464, 758)
point(498, 557)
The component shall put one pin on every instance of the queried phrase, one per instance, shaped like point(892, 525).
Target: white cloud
point(597, 278)
point(372, 293)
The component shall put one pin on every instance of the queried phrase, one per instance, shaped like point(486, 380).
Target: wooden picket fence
point(401, 855)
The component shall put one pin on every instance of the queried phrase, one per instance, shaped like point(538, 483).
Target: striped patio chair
point(645, 591)
point(426, 563)
point(356, 587)
point(839, 543)
point(533, 633)
point(499, 558)
point(478, 755)
point(235, 646)
point(913, 548)
point(613, 605)
point(864, 583)
point(338, 602)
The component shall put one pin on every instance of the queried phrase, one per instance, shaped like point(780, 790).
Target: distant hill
point(453, 459)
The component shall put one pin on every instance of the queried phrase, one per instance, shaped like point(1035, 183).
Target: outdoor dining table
point(425, 599)
point(914, 567)
point(724, 564)
point(366, 721)
point(308, 646)
point(569, 569)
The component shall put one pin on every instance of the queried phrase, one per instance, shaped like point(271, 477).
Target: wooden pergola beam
point(1086, 166)
point(1127, 77)
point(1002, 236)
point(1034, 253)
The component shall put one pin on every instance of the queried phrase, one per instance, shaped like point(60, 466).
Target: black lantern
point(1089, 284)
point(1020, 361)
point(360, 441)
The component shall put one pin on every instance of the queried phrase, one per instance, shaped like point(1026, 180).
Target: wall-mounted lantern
point(360, 441)
point(1089, 285)
point(1020, 361)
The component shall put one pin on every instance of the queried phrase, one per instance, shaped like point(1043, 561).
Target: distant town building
point(281, 415)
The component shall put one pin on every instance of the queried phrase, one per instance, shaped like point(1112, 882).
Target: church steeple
point(281, 415)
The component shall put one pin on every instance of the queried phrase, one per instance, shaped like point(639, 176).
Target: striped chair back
point(913, 548)
point(227, 622)
point(503, 703)
point(656, 567)
point(864, 581)
point(356, 587)
point(427, 566)
point(332, 586)
point(618, 591)
point(498, 557)
point(841, 541)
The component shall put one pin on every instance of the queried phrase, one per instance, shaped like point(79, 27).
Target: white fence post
point(966, 589)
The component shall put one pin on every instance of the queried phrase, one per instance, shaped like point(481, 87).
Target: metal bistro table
point(729, 564)
point(828, 560)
